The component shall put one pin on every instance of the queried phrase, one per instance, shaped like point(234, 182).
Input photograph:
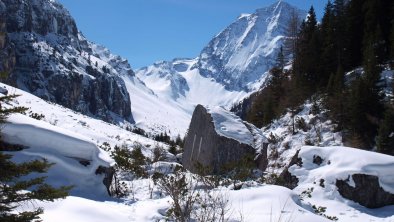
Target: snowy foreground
point(65, 137)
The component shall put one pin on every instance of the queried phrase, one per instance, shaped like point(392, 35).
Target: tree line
point(339, 59)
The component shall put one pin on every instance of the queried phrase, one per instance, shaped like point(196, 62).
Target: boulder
point(212, 144)
point(367, 191)
point(286, 179)
point(108, 173)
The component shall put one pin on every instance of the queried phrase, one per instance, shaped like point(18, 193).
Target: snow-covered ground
point(63, 132)
point(340, 163)
point(319, 131)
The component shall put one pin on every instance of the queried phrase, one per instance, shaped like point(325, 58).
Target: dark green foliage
point(139, 131)
point(392, 37)
point(280, 59)
point(240, 171)
point(301, 124)
point(130, 160)
point(271, 102)
point(159, 154)
point(365, 106)
point(12, 187)
point(181, 191)
point(385, 141)
point(36, 116)
point(5, 112)
point(307, 56)
point(173, 150)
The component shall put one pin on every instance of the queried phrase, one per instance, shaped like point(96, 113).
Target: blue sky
point(145, 31)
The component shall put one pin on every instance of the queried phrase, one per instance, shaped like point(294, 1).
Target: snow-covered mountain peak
point(234, 64)
point(245, 50)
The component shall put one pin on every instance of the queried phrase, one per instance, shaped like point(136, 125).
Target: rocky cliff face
point(7, 53)
point(54, 61)
point(214, 150)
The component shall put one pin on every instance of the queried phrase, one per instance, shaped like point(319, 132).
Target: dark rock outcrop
point(43, 53)
point(7, 53)
point(214, 152)
point(262, 157)
point(286, 179)
point(108, 176)
point(367, 191)
point(317, 160)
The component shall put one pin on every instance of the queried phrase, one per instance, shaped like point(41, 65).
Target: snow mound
point(269, 203)
point(46, 138)
point(75, 157)
point(342, 162)
point(231, 126)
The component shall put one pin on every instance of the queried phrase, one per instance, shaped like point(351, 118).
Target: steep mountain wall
point(45, 54)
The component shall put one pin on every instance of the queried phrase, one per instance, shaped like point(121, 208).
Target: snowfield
point(65, 137)
point(177, 88)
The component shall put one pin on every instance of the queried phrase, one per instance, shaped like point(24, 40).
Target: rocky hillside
point(43, 52)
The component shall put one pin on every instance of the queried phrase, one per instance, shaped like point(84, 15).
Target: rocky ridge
point(50, 58)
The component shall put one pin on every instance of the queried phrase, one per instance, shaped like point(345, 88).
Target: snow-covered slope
point(96, 131)
point(176, 90)
point(63, 133)
point(66, 137)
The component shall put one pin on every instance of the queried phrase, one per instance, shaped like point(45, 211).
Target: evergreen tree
point(292, 28)
point(385, 141)
point(354, 35)
point(392, 39)
point(280, 59)
point(365, 102)
point(328, 57)
point(373, 33)
point(335, 97)
point(13, 186)
point(307, 55)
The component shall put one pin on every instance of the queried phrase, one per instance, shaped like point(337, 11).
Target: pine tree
point(335, 97)
point(292, 28)
point(354, 35)
point(13, 186)
point(392, 39)
point(280, 59)
point(329, 60)
point(373, 33)
point(307, 55)
point(365, 102)
point(385, 141)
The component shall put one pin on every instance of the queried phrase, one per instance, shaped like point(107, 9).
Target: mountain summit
point(240, 55)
